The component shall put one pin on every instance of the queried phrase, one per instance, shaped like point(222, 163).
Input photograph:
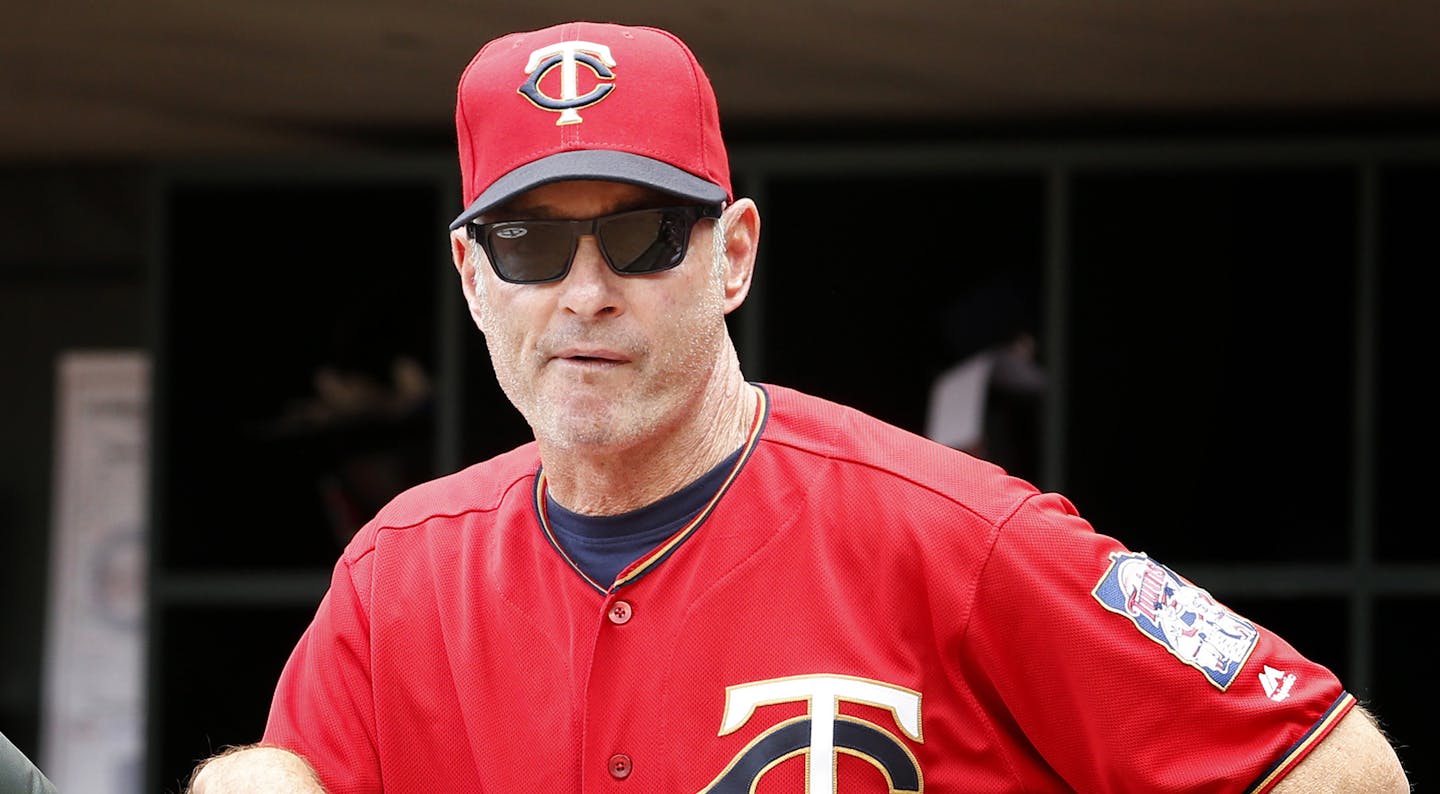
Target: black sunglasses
point(632, 243)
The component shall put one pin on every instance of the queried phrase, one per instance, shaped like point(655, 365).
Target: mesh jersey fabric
point(861, 607)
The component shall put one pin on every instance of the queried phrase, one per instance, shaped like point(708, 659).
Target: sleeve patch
point(1185, 619)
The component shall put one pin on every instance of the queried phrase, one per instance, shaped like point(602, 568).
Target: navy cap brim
point(600, 164)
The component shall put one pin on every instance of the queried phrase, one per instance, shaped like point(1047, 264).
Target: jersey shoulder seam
point(374, 528)
point(1004, 515)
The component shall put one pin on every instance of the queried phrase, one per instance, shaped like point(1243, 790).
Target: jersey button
point(620, 765)
point(620, 613)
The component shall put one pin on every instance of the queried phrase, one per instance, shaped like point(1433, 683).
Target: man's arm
point(17, 774)
point(256, 769)
point(1354, 757)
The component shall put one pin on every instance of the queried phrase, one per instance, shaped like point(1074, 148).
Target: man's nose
point(591, 288)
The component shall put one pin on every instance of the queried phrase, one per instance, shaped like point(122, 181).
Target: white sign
point(92, 725)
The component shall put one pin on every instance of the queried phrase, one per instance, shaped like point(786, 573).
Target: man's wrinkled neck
point(610, 480)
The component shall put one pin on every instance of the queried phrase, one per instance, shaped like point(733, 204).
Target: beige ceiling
point(184, 78)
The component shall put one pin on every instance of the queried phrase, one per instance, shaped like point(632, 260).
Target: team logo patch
point(1185, 619)
point(823, 733)
point(565, 56)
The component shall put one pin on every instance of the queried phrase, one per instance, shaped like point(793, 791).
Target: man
point(692, 583)
point(18, 775)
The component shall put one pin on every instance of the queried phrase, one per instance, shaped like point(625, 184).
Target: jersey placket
point(621, 690)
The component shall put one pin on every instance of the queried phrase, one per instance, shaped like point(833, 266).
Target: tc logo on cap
point(565, 55)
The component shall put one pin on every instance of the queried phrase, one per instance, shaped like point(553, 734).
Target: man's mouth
point(593, 357)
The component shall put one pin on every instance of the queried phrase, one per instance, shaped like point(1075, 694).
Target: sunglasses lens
point(634, 243)
point(646, 241)
point(529, 251)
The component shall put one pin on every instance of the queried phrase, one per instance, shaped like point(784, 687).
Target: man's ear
point(465, 266)
point(741, 222)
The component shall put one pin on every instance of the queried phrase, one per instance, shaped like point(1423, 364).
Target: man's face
point(599, 361)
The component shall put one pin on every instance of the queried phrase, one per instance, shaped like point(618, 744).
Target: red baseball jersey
point(857, 610)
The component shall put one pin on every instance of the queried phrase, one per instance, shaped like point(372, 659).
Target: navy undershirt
point(603, 546)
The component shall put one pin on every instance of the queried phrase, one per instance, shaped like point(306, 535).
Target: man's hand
point(255, 769)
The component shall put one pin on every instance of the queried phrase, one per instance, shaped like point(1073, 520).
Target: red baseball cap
point(587, 100)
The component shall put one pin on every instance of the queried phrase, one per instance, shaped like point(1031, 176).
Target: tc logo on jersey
point(1185, 619)
point(566, 55)
point(823, 734)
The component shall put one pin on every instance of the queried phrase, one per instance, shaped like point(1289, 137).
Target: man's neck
point(615, 481)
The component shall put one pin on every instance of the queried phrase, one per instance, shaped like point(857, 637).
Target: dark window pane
point(1405, 696)
point(868, 303)
point(1408, 431)
point(1211, 361)
point(274, 296)
point(218, 667)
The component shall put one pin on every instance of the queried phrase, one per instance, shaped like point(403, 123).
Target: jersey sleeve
point(1125, 676)
point(323, 707)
